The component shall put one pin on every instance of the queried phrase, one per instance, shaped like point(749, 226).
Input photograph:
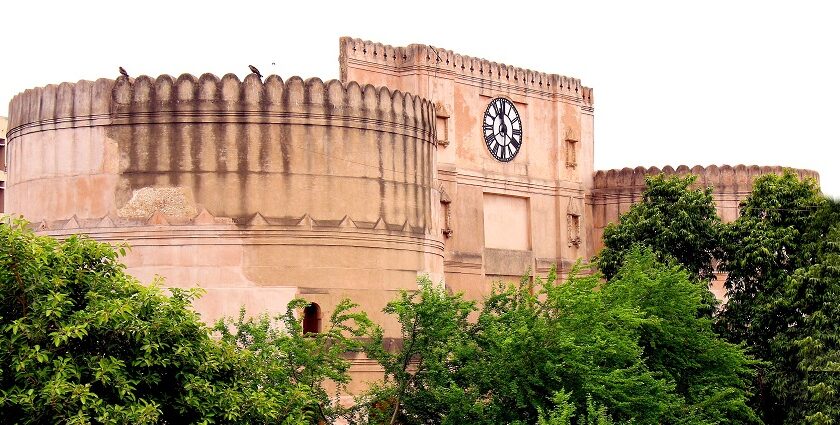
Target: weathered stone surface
point(730, 185)
point(249, 189)
point(170, 201)
point(259, 191)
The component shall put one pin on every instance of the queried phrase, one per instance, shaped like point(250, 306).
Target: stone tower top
point(430, 58)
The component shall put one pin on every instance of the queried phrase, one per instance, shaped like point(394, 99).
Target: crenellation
point(742, 176)
point(64, 101)
point(314, 97)
point(625, 177)
point(723, 176)
point(354, 95)
point(334, 97)
point(727, 176)
point(185, 88)
point(122, 93)
point(614, 190)
point(44, 108)
point(612, 178)
point(639, 176)
point(712, 175)
point(370, 101)
point(101, 97)
point(82, 91)
point(439, 59)
point(754, 171)
point(696, 170)
point(275, 89)
point(231, 88)
point(208, 88)
point(398, 103)
point(588, 95)
point(143, 90)
point(253, 89)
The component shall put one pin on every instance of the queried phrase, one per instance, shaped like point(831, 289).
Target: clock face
point(502, 129)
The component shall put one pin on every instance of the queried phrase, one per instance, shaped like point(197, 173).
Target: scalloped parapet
point(241, 186)
point(223, 135)
point(724, 178)
point(615, 191)
point(188, 98)
point(442, 60)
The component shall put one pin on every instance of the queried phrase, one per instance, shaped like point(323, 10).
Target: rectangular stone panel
point(507, 262)
point(506, 222)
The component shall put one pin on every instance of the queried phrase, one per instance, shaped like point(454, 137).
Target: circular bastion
point(256, 191)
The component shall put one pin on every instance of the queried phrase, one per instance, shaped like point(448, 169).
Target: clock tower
point(513, 161)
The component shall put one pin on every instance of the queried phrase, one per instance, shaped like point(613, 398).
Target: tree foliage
point(673, 220)
point(783, 289)
point(82, 342)
point(579, 351)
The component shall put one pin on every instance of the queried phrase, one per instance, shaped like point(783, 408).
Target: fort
point(417, 161)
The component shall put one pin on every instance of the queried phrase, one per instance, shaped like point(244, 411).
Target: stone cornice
point(512, 183)
point(258, 235)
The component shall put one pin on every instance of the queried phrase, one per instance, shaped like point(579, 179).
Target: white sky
point(711, 82)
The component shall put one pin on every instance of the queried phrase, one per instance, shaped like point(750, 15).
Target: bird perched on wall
point(123, 72)
point(255, 71)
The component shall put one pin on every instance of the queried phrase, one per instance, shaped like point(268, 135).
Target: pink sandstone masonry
point(263, 190)
point(420, 57)
point(503, 218)
point(616, 190)
point(256, 191)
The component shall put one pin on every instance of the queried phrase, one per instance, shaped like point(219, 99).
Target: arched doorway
point(312, 318)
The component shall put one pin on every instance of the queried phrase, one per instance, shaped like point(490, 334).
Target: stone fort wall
point(263, 190)
point(257, 191)
point(616, 190)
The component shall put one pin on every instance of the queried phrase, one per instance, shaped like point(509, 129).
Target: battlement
point(188, 97)
point(442, 60)
point(723, 178)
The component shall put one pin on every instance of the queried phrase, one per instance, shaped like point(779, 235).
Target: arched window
point(312, 319)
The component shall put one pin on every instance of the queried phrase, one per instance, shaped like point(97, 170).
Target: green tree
point(83, 342)
point(288, 369)
point(535, 340)
point(419, 384)
point(673, 220)
point(781, 258)
point(815, 291)
point(712, 378)
point(580, 351)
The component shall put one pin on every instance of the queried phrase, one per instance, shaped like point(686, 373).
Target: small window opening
point(574, 230)
point(312, 319)
point(571, 153)
point(442, 125)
